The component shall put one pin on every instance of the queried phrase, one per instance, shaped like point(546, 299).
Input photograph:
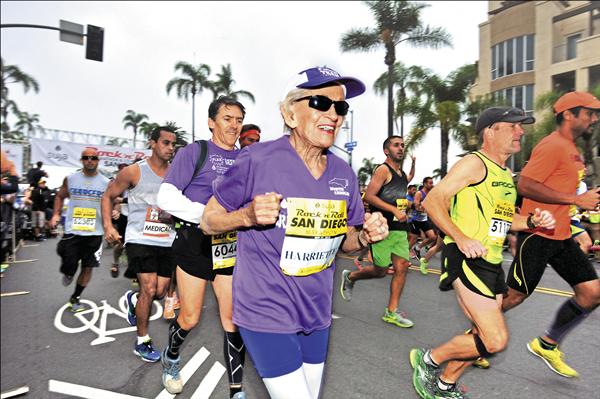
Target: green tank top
point(484, 210)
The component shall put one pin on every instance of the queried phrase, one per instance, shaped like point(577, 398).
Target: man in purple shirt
point(295, 204)
point(201, 257)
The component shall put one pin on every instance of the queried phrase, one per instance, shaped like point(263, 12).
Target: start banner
point(64, 153)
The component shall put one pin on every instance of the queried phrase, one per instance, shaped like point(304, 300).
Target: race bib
point(84, 219)
point(500, 222)
point(154, 224)
point(224, 250)
point(313, 234)
point(402, 205)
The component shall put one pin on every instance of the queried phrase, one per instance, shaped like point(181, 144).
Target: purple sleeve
point(356, 209)
point(235, 189)
point(181, 171)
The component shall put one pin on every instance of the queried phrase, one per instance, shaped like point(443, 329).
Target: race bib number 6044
point(84, 219)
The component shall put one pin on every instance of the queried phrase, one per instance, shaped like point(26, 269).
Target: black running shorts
point(417, 226)
point(534, 252)
point(150, 259)
point(479, 276)
point(74, 248)
point(193, 254)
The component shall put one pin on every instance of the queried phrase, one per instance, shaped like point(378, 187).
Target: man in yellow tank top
point(474, 206)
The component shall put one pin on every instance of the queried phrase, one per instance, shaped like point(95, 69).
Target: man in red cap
point(250, 134)
point(549, 181)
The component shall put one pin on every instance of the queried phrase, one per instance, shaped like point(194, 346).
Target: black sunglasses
point(89, 158)
point(323, 103)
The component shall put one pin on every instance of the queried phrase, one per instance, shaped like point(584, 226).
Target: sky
point(265, 43)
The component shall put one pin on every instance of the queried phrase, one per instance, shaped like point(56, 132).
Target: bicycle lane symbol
point(100, 312)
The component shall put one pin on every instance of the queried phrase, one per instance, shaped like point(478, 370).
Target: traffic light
point(94, 45)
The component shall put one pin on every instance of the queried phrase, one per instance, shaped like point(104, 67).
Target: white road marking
point(14, 392)
point(334, 316)
point(188, 370)
point(15, 293)
point(81, 391)
point(209, 382)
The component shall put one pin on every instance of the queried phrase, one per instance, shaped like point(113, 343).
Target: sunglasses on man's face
point(323, 103)
point(89, 158)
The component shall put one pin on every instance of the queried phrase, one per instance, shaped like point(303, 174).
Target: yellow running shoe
point(553, 359)
point(482, 363)
point(423, 265)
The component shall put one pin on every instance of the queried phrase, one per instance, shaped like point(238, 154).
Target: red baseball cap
point(576, 99)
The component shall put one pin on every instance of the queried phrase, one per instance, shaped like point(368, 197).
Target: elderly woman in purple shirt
point(294, 204)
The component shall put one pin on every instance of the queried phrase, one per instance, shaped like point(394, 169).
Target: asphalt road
point(68, 356)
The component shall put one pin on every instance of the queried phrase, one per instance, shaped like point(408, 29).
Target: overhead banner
point(15, 154)
point(64, 153)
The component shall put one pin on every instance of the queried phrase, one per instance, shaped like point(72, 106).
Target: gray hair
point(288, 100)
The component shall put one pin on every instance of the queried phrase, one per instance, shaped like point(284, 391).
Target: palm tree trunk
point(445, 142)
point(134, 136)
point(402, 125)
point(193, 116)
point(390, 93)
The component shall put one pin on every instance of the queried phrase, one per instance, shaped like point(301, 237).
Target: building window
point(513, 56)
point(529, 53)
point(494, 65)
point(517, 96)
point(563, 82)
point(594, 77)
point(572, 46)
point(519, 55)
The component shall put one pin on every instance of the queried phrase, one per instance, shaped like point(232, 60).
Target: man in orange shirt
point(549, 181)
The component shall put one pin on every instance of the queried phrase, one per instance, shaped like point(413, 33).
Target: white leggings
point(303, 383)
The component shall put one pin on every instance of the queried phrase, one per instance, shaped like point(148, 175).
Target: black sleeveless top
point(393, 193)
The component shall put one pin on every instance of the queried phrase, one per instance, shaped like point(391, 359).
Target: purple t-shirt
point(265, 298)
point(181, 172)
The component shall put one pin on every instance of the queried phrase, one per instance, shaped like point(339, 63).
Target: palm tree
point(441, 106)
point(407, 80)
point(224, 85)
point(12, 74)
point(366, 171)
point(193, 81)
point(27, 122)
point(133, 120)
point(396, 22)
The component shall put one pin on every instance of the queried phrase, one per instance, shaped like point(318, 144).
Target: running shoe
point(114, 270)
point(424, 375)
point(553, 359)
point(146, 351)
point(423, 265)
point(347, 286)
point(169, 311)
point(75, 305)
point(239, 395)
point(397, 318)
point(131, 319)
point(481, 363)
point(595, 246)
point(67, 280)
point(171, 378)
point(417, 252)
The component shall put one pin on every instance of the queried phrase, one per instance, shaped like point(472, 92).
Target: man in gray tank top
point(82, 240)
point(148, 236)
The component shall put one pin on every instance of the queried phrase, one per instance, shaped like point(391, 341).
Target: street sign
point(71, 32)
point(350, 145)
